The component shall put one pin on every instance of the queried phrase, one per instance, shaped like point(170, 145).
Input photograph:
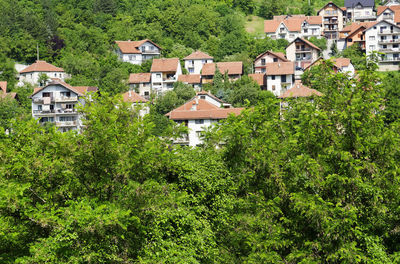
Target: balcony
point(66, 123)
point(150, 52)
point(66, 111)
point(388, 32)
point(44, 112)
point(394, 41)
point(169, 79)
point(390, 50)
point(184, 140)
point(303, 50)
point(393, 59)
point(59, 99)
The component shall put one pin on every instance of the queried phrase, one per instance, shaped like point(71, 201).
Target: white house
point(141, 82)
point(136, 52)
point(268, 57)
point(385, 38)
point(164, 73)
point(195, 61)
point(57, 103)
point(199, 113)
point(360, 10)
point(32, 73)
point(280, 76)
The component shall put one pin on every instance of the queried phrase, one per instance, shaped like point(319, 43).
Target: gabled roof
point(381, 9)
point(292, 23)
point(132, 47)
point(279, 55)
point(143, 77)
point(165, 65)
point(338, 63)
point(300, 90)
point(132, 97)
point(232, 67)
point(354, 3)
point(198, 55)
point(3, 91)
point(3, 87)
point(279, 68)
point(212, 96)
point(41, 66)
point(190, 78)
point(330, 3)
point(258, 78)
point(79, 90)
point(305, 41)
point(380, 22)
point(201, 109)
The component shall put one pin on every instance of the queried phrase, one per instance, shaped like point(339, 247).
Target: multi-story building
point(199, 113)
point(389, 13)
point(268, 57)
point(57, 103)
point(333, 19)
point(279, 76)
point(136, 52)
point(32, 73)
point(141, 82)
point(195, 61)
point(191, 79)
point(384, 37)
point(360, 10)
point(164, 73)
point(302, 52)
point(234, 69)
point(353, 34)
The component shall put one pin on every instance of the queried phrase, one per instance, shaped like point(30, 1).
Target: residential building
point(353, 34)
point(164, 73)
point(391, 3)
point(384, 37)
point(57, 103)
point(302, 52)
point(195, 61)
point(141, 83)
point(260, 79)
point(343, 65)
point(268, 57)
point(360, 10)
point(191, 79)
point(291, 27)
point(389, 13)
point(279, 76)
point(32, 73)
point(234, 69)
point(333, 20)
point(3, 91)
point(137, 102)
point(300, 90)
point(136, 52)
point(198, 114)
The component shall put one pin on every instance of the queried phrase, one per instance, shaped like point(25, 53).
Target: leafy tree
point(319, 42)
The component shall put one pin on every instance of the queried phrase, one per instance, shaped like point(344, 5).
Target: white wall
point(195, 128)
point(279, 88)
point(33, 77)
point(196, 65)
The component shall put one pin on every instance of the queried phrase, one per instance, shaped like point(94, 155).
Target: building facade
point(302, 52)
point(141, 83)
point(233, 69)
point(32, 73)
point(279, 76)
point(164, 73)
point(195, 61)
point(333, 20)
point(268, 57)
point(360, 10)
point(136, 52)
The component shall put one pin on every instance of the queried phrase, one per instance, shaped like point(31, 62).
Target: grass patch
point(255, 25)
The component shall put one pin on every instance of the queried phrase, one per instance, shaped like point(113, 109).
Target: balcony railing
point(66, 123)
point(66, 99)
point(388, 32)
point(66, 111)
point(303, 50)
point(43, 112)
point(182, 140)
point(390, 59)
point(150, 51)
point(389, 41)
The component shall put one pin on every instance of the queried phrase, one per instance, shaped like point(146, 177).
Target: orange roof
point(342, 62)
point(190, 78)
point(165, 65)
point(41, 66)
point(314, 20)
point(279, 55)
point(232, 67)
point(331, 3)
point(198, 55)
point(143, 77)
point(3, 87)
point(305, 41)
point(10, 95)
point(279, 68)
point(132, 47)
point(270, 26)
point(203, 110)
point(300, 90)
point(80, 90)
point(355, 26)
point(132, 97)
point(381, 9)
point(258, 78)
point(292, 23)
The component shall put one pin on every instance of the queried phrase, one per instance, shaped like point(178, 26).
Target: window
point(46, 94)
point(384, 46)
point(158, 75)
point(203, 97)
point(55, 74)
point(69, 106)
point(275, 59)
point(199, 121)
point(66, 94)
point(371, 37)
point(262, 61)
point(191, 70)
point(263, 70)
point(395, 45)
point(203, 61)
point(52, 107)
point(273, 77)
point(305, 30)
point(350, 40)
point(39, 107)
point(372, 47)
point(283, 78)
point(67, 118)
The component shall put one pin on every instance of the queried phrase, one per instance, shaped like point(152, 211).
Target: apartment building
point(195, 61)
point(333, 20)
point(57, 103)
point(353, 34)
point(136, 52)
point(302, 52)
point(268, 57)
point(164, 73)
point(360, 10)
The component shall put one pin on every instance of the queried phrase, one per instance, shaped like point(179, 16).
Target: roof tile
point(198, 55)
point(144, 77)
point(41, 66)
point(232, 67)
point(165, 65)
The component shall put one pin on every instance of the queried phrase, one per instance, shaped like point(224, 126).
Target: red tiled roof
point(300, 90)
point(279, 55)
point(270, 26)
point(10, 95)
point(3, 87)
point(190, 78)
point(41, 66)
point(279, 68)
point(80, 90)
point(342, 62)
point(305, 41)
point(132, 97)
point(233, 68)
point(140, 77)
point(292, 23)
point(165, 65)
point(258, 77)
point(132, 47)
point(204, 110)
point(198, 55)
point(381, 9)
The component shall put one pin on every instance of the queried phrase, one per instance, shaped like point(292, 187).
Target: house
point(234, 69)
point(302, 52)
point(291, 27)
point(136, 101)
point(57, 103)
point(136, 52)
point(339, 65)
point(200, 113)
point(3, 92)
point(164, 73)
point(391, 3)
point(268, 57)
point(299, 90)
point(360, 10)
point(384, 37)
point(192, 79)
point(353, 34)
point(32, 73)
point(389, 13)
point(333, 20)
point(260, 79)
point(195, 61)
point(279, 76)
point(141, 82)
